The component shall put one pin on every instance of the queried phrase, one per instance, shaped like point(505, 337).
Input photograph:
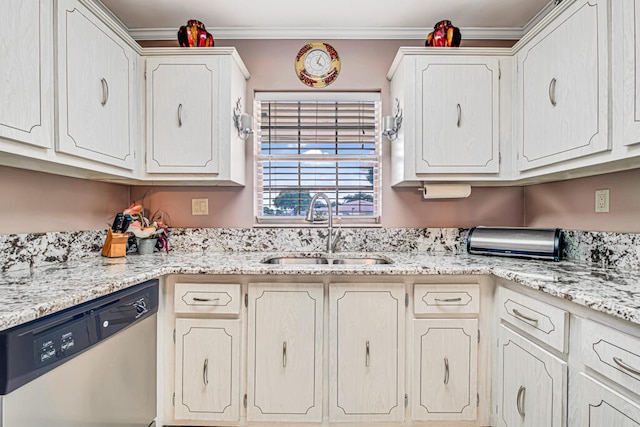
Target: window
point(317, 142)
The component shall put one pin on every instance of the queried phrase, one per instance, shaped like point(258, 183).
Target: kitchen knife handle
point(117, 222)
point(105, 92)
point(126, 223)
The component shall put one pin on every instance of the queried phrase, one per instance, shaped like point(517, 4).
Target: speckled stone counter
point(31, 293)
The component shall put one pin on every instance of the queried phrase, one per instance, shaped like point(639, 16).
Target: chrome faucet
point(331, 240)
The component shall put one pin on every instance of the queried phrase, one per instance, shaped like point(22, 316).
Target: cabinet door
point(285, 353)
point(95, 89)
point(631, 92)
point(458, 125)
point(596, 405)
point(26, 71)
point(532, 385)
point(563, 88)
point(366, 380)
point(445, 373)
point(207, 370)
point(181, 104)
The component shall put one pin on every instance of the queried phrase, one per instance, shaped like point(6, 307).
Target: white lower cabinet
point(207, 369)
point(285, 353)
point(595, 405)
point(532, 386)
point(366, 354)
point(445, 369)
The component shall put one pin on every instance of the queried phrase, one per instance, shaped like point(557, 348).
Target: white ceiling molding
point(306, 33)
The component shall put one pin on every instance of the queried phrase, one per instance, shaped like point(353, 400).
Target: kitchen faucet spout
point(331, 239)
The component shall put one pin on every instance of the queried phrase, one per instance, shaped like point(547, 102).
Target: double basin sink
point(323, 260)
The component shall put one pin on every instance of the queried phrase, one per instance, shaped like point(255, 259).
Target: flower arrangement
point(145, 228)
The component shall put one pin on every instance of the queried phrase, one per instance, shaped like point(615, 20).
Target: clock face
point(317, 64)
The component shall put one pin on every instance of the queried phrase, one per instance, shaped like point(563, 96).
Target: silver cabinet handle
point(205, 372)
point(180, 115)
point(520, 400)
point(446, 370)
point(524, 317)
point(198, 299)
point(284, 354)
point(626, 367)
point(552, 91)
point(449, 299)
point(367, 354)
point(459, 115)
point(105, 92)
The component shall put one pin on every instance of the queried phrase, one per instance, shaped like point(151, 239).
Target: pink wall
point(364, 66)
point(38, 202)
point(571, 204)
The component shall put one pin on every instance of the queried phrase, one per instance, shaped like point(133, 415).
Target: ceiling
point(372, 19)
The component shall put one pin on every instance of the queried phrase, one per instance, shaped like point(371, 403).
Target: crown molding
point(306, 33)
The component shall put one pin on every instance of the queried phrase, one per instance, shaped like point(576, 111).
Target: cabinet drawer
point(545, 322)
point(442, 299)
point(614, 354)
point(207, 298)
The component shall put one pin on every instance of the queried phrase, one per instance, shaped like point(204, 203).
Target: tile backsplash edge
point(20, 251)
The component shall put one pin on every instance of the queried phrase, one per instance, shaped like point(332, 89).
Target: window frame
point(376, 158)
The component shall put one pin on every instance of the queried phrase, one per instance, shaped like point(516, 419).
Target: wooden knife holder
point(115, 245)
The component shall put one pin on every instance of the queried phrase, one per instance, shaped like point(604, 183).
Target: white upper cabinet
point(562, 74)
point(451, 102)
point(96, 89)
point(457, 116)
point(190, 108)
point(631, 93)
point(26, 72)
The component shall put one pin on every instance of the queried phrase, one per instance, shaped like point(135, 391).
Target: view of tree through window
point(318, 143)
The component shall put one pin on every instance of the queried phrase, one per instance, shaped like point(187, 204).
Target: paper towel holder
point(445, 191)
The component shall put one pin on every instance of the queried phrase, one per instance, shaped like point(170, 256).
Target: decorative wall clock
point(317, 64)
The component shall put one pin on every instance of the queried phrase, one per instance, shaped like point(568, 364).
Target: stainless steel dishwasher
point(91, 365)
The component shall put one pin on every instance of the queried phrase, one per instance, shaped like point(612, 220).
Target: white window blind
point(308, 143)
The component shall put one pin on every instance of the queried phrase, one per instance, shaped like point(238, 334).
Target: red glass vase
point(194, 34)
point(444, 34)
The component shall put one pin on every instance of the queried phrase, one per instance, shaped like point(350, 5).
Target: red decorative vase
point(444, 34)
point(194, 35)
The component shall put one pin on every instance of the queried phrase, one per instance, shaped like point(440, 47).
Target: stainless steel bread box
point(539, 243)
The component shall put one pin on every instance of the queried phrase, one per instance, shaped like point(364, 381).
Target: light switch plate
point(602, 201)
point(199, 206)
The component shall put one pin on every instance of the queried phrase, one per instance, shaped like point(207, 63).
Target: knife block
point(115, 245)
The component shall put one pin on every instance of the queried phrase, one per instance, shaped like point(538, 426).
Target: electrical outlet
point(602, 201)
point(199, 206)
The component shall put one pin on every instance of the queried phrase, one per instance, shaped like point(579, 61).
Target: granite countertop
point(32, 293)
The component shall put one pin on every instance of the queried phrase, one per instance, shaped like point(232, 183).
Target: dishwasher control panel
point(61, 341)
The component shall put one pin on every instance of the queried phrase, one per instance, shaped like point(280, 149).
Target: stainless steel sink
point(295, 260)
point(323, 260)
point(361, 261)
